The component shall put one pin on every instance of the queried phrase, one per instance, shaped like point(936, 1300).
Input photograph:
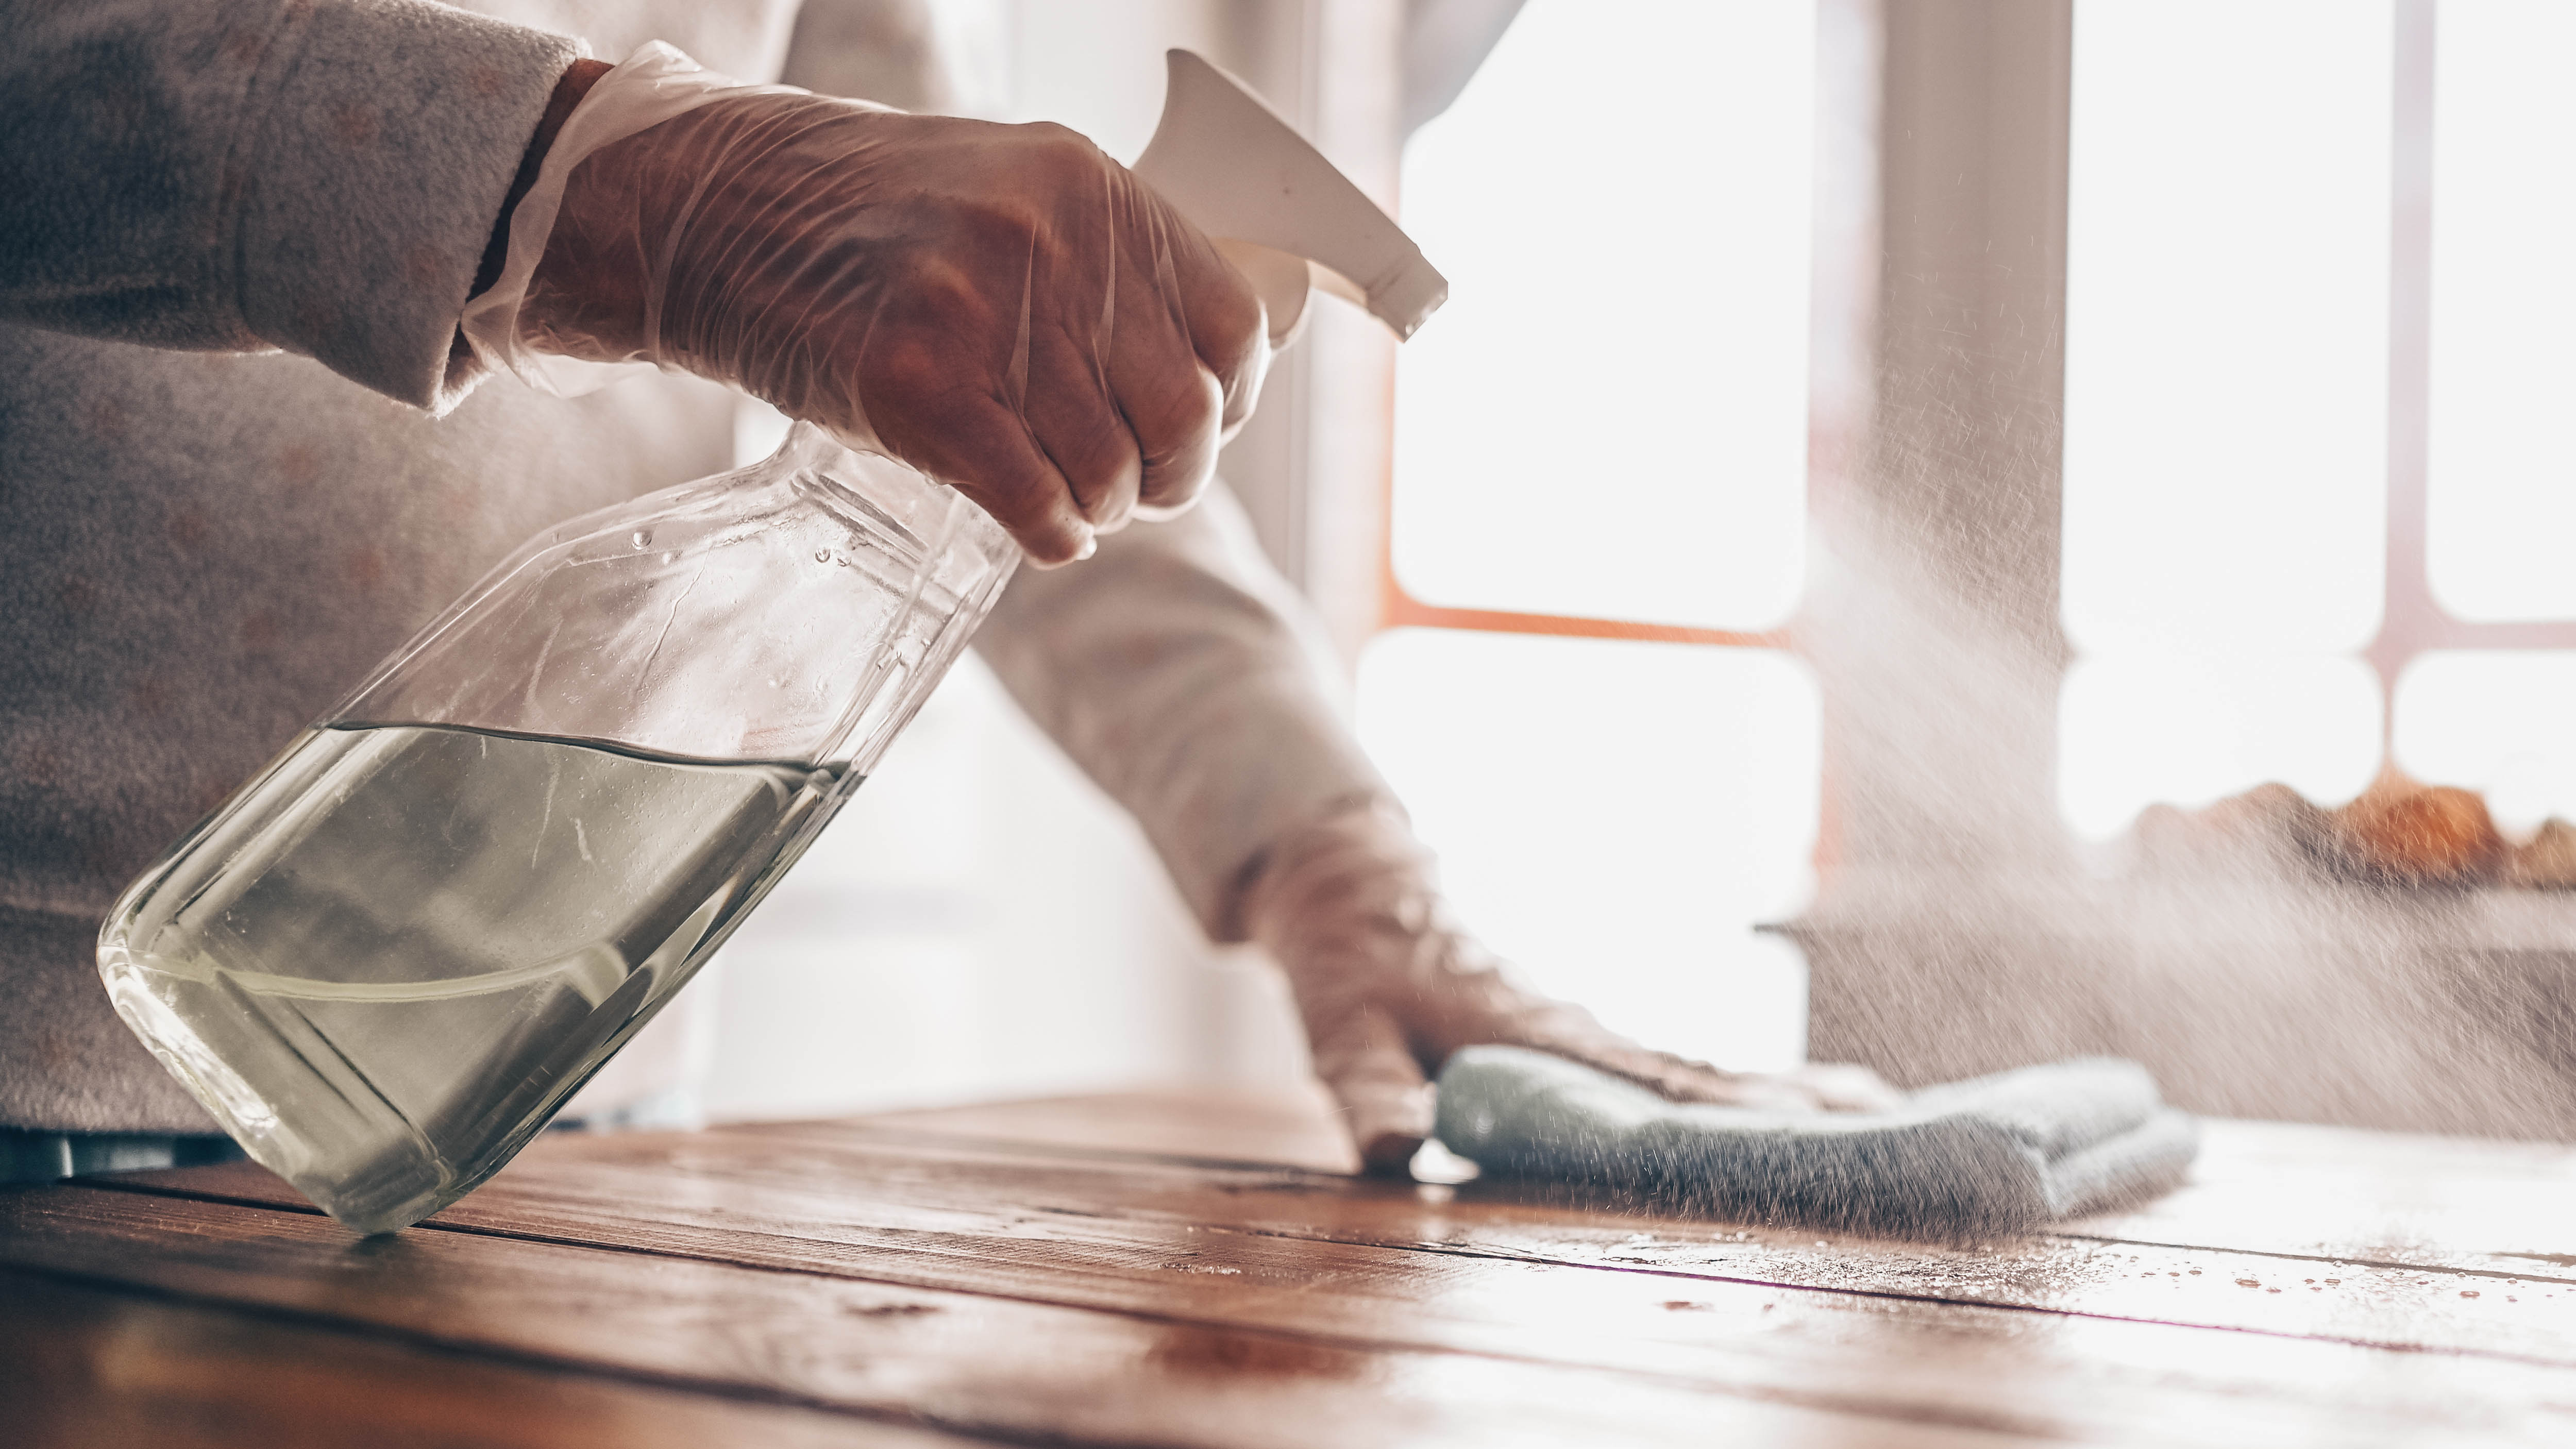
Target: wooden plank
point(2350, 1212)
point(960, 1362)
point(82, 1368)
point(845, 1188)
point(1254, 1250)
point(2342, 1193)
point(1216, 1124)
point(2272, 1187)
point(2527, 1309)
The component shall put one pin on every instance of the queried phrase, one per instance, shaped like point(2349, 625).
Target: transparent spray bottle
point(395, 952)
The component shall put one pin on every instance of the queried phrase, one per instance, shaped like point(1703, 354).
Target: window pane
point(2495, 721)
point(2134, 730)
point(2227, 323)
point(1610, 416)
point(2501, 531)
point(1615, 817)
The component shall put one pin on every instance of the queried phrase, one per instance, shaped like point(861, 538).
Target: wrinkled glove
point(1389, 987)
point(1002, 307)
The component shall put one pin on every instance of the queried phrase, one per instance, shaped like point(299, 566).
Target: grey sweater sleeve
point(1190, 681)
point(319, 176)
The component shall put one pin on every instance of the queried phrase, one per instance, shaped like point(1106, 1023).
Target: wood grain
point(960, 1362)
point(2293, 1189)
point(2337, 1221)
point(2332, 1192)
point(1934, 1334)
point(82, 1368)
point(1099, 1231)
point(1125, 1269)
point(1215, 1124)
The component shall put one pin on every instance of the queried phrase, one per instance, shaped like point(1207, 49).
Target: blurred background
point(1873, 451)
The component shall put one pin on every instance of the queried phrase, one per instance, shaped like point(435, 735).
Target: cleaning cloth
point(2003, 1153)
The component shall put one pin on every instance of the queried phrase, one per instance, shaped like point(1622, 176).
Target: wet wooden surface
point(1195, 1269)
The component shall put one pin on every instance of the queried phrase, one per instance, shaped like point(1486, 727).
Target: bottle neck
point(885, 496)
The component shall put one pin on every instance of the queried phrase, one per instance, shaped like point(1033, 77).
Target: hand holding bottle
point(1003, 307)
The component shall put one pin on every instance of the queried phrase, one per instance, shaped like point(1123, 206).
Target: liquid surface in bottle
point(387, 962)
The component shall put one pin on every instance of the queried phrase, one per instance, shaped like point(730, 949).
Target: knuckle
point(1055, 162)
point(1182, 411)
point(1062, 145)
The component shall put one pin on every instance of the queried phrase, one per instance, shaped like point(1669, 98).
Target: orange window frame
point(1399, 609)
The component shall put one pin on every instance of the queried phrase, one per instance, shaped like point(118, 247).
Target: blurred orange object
point(2399, 832)
point(2403, 832)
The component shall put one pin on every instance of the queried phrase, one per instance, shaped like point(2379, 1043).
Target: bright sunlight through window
point(1615, 817)
point(2501, 536)
point(2226, 398)
point(1609, 421)
point(1610, 418)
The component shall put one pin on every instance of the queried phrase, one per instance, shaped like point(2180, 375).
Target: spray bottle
point(395, 952)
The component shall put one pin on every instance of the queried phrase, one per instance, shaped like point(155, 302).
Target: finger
point(974, 444)
point(1486, 1006)
point(1386, 1105)
point(1222, 316)
point(1173, 410)
point(1188, 354)
point(937, 396)
point(1683, 1079)
point(1566, 1030)
point(1841, 1087)
point(1082, 432)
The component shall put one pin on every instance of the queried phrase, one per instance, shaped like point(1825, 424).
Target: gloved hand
point(1389, 986)
point(1002, 307)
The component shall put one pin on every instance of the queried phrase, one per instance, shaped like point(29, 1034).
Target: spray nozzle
point(1281, 213)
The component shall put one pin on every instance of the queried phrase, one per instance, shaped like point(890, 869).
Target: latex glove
point(1002, 307)
point(1389, 986)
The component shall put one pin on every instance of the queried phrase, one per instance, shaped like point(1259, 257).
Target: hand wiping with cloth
point(1393, 990)
point(1391, 987)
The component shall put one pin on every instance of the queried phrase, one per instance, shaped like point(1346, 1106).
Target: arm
point(1002, 306)
point(316, 177)
point(1187, 678)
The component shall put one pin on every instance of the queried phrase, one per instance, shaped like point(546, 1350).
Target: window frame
point(1842, 284)
point(2413, 621)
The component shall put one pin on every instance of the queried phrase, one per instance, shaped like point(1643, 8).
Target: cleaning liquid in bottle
point(469, 955)
point(388, 959)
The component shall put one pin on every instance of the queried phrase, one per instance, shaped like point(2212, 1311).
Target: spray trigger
point(1283, 215)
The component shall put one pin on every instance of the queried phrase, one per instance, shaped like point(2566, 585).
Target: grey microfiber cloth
point(2004, 1153)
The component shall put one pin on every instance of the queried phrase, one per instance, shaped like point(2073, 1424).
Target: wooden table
point(1187, 1269)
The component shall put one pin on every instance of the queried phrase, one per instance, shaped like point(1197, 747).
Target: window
point(2226, 400)
point(1598, 513)
point(2483, 694)
point(2318, 496)
point(2502, 462)
point(1610, 419)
